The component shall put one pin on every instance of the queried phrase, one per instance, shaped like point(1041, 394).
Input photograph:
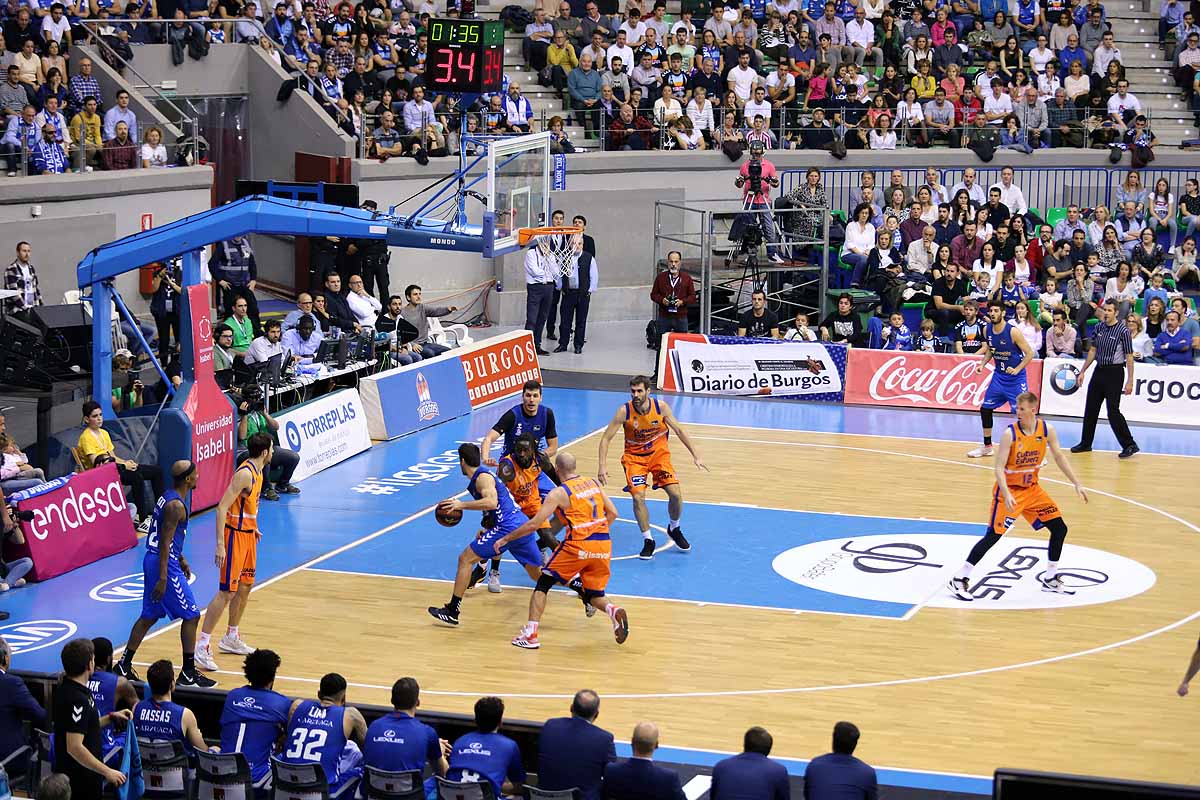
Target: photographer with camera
point(253, 418)
point(756, 179)
point(673, 293)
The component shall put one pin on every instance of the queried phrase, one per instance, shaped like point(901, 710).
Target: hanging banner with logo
point(324, 431)
point(407, 399)
point(499, 367)
point(923, 380)
point(1161, 392)
point(743, 366)
point(83, 519)
point(559, 173)
point(214, 422)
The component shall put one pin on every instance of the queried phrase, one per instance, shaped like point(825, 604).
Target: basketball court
point(822, 540)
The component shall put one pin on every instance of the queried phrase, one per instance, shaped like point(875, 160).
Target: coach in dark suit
point(839, 774)
point(16, 705)
point(751, 775)
point(577, 287)
point(573, 751)
point(638, 778)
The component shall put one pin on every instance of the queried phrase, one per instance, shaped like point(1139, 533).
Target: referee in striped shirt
point(1112, 350)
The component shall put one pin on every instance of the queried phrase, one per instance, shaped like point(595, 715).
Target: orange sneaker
point(620, 625)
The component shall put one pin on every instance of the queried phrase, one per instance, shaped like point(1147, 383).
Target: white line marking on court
point(813, 510)
point(697, 787)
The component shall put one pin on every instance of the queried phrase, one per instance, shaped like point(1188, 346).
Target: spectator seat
point(298, 781)
point(451, 790)
point(164, 767)
point(379, 784)
point(223, 776)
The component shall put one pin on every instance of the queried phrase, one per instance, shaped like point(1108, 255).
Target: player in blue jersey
point(529, 417)
point(501, 516)
point(324, 731)
point(110, 692)
point(487, 755)
point(165, 575)
point(161, 719)
point(1006, 346)
point(255, 717)
point(399, 742)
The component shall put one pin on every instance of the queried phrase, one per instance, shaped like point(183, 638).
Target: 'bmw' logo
point(1065, 379)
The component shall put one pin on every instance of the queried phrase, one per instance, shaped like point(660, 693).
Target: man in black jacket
point(817, 135)
point(336, 306)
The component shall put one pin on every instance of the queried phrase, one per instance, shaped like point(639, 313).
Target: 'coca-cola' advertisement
point(922, 380)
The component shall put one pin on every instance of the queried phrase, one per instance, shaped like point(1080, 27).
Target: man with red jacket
point(673, 293)
point(966, 107)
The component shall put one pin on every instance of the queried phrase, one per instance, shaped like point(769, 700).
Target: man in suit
point(576, 288)
point(573, 751)
point(16, 704)
point(751, 775)
point(840, 774)
point(638, 778)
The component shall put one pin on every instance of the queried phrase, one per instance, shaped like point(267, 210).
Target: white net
point(559, 249)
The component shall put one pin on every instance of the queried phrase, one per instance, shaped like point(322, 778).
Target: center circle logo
point(25, 637)
point(292, 431)
point(1065, 379)
point(911, 569)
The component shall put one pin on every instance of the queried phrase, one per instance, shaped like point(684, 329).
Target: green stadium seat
point(1055, 215)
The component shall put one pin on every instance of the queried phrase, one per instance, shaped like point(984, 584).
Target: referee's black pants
point(1108, 381)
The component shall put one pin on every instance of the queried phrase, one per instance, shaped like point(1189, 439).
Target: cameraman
point(673, 293)
point(756, 179)
point(254, 418)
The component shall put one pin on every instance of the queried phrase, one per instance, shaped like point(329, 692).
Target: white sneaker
point(981, 451)
point(18, 583)
point(960, 589)
point(234, 645)
point(12, 173)
point(204, 659)
point(493, 583)
point(144, 525)
point(4, 587)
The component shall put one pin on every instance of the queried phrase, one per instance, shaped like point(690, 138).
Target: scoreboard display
point(465, 55)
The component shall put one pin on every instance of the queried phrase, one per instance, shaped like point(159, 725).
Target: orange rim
point(526, 235)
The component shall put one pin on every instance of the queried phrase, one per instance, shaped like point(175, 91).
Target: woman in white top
point(699, 110)
point(801, 332)
point(1143, 345)
point(1160, 204)
point(860, 238)
point(1040, 56)
point(987, 262)
point(874, 9)
point(1124, 289)
point(1048, 83)
point(1078, 84)
point(1185, 262)
point(983, 228)
point(30, 65)
point(1023, 271)
point(154, 154)
point(1101, 219)
point(909, 114)
point(667, 108)
point(1028, 326)
point(686, 137)
point(929, 209)
point(881, 136)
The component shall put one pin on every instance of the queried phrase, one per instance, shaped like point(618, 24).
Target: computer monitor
point(325, 351)
point(364, 346)
point(343, 352)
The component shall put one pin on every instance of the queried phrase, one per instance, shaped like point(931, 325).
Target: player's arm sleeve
point(433, 746)
point(506, 422)
point(516, 769)
point(551, 428)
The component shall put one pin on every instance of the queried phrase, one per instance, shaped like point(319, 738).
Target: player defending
point(648, 424)
point(527, 417)
point(237, 551)
point(587, 513)
point(1017, 493)
point(528, 475)
point(165, 567)
point(1012, 353)
point(500, 518)
point(328, 732)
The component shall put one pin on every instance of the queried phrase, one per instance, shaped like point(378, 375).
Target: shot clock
point(465, 56)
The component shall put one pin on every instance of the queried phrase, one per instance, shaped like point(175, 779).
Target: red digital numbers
point(493, 66)
point(454, 66)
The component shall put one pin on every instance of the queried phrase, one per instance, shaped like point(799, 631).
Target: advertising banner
point(407, 399)
point(807, 370)
point(499, 367)
point(324, 431)
point(923, 380)
point(1161, 393)
point(84, 519)
point(214, 422)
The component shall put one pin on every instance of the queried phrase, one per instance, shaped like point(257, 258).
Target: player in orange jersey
point(585, 553)
point(237, 551)
point(648, 424)
point(1019, 458)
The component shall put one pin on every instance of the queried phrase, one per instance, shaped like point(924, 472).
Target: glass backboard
point(518, 188)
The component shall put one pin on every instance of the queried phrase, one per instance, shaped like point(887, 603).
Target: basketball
point(447, 516)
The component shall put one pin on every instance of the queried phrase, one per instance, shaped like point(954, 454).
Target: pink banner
point(922, 380)
point(213, 421)
point(82, 521)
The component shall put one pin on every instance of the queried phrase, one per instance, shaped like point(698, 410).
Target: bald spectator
point(304, 305)
point(638, 777)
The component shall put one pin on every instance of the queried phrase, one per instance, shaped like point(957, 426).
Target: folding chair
point(223, 776)
point(379, 784)
point(298, 781)
point(452, 790)
point(164, 769)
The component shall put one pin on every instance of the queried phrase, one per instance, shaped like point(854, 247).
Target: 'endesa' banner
point(923, 380)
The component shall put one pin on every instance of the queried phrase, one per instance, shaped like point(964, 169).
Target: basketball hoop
point(559, 244)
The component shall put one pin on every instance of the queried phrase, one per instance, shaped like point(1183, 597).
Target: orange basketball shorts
point(241, 557)
point(655, 465)
point(1032, 503)
point(590, 559)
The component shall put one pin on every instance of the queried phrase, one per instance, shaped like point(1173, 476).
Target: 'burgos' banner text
point(782, 369)
point(1161, 393)
point(213, 421)
point(499, 367)
point(922, 380)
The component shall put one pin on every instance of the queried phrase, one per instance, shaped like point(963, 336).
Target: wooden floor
point(1042, 689)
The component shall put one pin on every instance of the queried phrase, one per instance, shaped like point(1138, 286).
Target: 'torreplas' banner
point(84, 519)
point(325, 431)
point(1161, 392)
point(499, 367)
point(923, 380)
point(214, 422)
point(407, 399)
point(778, 369)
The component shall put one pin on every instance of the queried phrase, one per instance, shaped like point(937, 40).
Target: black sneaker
point(287, 488)
point(197, 680)
point(647, 550)
point(1129, 451)
point(444, 615)
point(477, 574)
point(679, 539)
point(269, 493)
point(1081, 448)
point(128, 673)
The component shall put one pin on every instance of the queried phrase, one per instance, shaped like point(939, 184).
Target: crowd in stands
point(94, 711)
point(844, 74)
point(947, 252)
